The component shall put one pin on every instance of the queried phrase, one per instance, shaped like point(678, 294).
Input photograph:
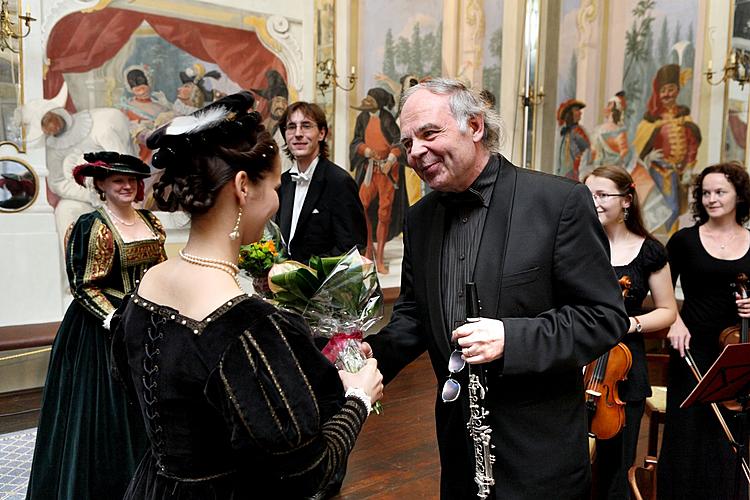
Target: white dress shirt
point(300, 192)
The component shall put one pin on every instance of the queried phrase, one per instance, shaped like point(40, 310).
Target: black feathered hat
point(104, 163)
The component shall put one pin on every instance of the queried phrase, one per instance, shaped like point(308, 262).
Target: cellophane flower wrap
point(340, 297)
point(257, 259)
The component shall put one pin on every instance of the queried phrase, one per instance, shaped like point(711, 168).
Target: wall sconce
point(737, 68)
point(9, 31)
point(327, 76)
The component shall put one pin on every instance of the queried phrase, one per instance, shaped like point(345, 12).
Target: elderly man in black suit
point(319, 208)
point(550, 302)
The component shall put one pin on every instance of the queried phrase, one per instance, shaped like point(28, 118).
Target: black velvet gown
point(89, 440)
point(696, 461)
point(616, 455)
point(238, 405)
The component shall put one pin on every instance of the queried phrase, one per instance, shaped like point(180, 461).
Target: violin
point(736, 334)
point(605, 409)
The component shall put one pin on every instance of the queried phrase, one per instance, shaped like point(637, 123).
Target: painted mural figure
point(610, 145)
point(193, 94)
point(667, 140)
point(574, 141)
point(143, 107)
point(277, 95)
point(376, 156)
point(68, 136)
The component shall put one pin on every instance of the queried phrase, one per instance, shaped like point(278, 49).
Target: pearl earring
point(236, 229)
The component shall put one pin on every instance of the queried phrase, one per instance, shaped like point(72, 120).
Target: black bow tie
point(468, 198)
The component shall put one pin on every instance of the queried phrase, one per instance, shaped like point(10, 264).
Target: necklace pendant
point(234, 235)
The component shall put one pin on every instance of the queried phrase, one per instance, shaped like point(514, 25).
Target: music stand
point(727, 379)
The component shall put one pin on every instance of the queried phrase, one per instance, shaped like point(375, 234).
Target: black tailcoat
point(542, 268)
point(332, 219)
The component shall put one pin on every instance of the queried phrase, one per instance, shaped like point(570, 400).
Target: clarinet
point(479, 430)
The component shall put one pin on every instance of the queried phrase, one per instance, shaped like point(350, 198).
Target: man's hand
point(481, 341)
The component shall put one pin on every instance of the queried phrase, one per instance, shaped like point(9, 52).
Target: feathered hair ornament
point(200, 120)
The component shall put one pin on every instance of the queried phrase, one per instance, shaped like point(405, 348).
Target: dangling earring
point(625, 214)
point(102, 196)
point(236, 229)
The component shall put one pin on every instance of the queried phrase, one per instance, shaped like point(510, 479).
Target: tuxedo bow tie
point(301, 178)
point(469, 198)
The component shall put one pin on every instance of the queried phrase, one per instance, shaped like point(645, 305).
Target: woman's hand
point(369, 379)
point(679, 336)
point(743, 306)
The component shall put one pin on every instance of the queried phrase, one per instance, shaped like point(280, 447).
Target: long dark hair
point(626, 186)
point(737, 175)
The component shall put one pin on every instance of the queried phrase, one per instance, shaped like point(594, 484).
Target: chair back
point(642, 480)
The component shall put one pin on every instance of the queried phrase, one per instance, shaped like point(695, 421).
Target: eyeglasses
point(606, 196)
point(451, 387)
point(305, 126)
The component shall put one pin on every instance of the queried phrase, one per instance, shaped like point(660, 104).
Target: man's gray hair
point(464, 104)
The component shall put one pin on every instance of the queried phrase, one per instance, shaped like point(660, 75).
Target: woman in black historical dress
point(237, 400)
point(90, 440)
point(696, 460)
point(640, 263)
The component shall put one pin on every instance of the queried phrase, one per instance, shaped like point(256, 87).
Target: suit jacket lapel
point(317, 184)
point(286, 192)
point(433, 265)
point(488, 270)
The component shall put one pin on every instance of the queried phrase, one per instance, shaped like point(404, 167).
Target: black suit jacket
point(543, 269)
point(332, 219)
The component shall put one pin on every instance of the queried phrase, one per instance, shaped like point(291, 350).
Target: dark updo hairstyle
point(199, 161)
point(625, 185)
point(737, 175)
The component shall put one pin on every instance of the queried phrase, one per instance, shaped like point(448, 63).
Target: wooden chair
point(656, 405)
point(642, 480)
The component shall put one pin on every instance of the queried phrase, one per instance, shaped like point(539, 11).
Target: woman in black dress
point(237, 400)
point(696, 460)
point(640, 263)
point(89, 440)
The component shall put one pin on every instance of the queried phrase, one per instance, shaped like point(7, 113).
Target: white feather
point(195, 123)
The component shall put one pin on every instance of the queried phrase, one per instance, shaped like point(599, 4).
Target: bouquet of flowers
point(340, 297)
point(257, 259)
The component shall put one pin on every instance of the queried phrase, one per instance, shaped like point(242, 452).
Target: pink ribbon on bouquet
point(338, 343)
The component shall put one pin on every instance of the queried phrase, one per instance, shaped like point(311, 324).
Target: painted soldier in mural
point(574, 142)
point(667, 140)
point(376, 157)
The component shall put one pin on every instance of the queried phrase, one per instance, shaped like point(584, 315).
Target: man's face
point(441, 155)
point(278, 106)
point(185, 91)
point(52, 124)
point(303, 136)
point(668, 93)
point(141, 91)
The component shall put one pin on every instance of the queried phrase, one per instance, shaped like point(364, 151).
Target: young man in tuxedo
point(550, 301)
point(319, 208)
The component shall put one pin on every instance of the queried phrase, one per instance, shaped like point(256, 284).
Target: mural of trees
point(492, 74)
point(420, 55)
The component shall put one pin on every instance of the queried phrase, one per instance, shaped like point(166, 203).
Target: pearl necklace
point(222, 265)
point(117, 219)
